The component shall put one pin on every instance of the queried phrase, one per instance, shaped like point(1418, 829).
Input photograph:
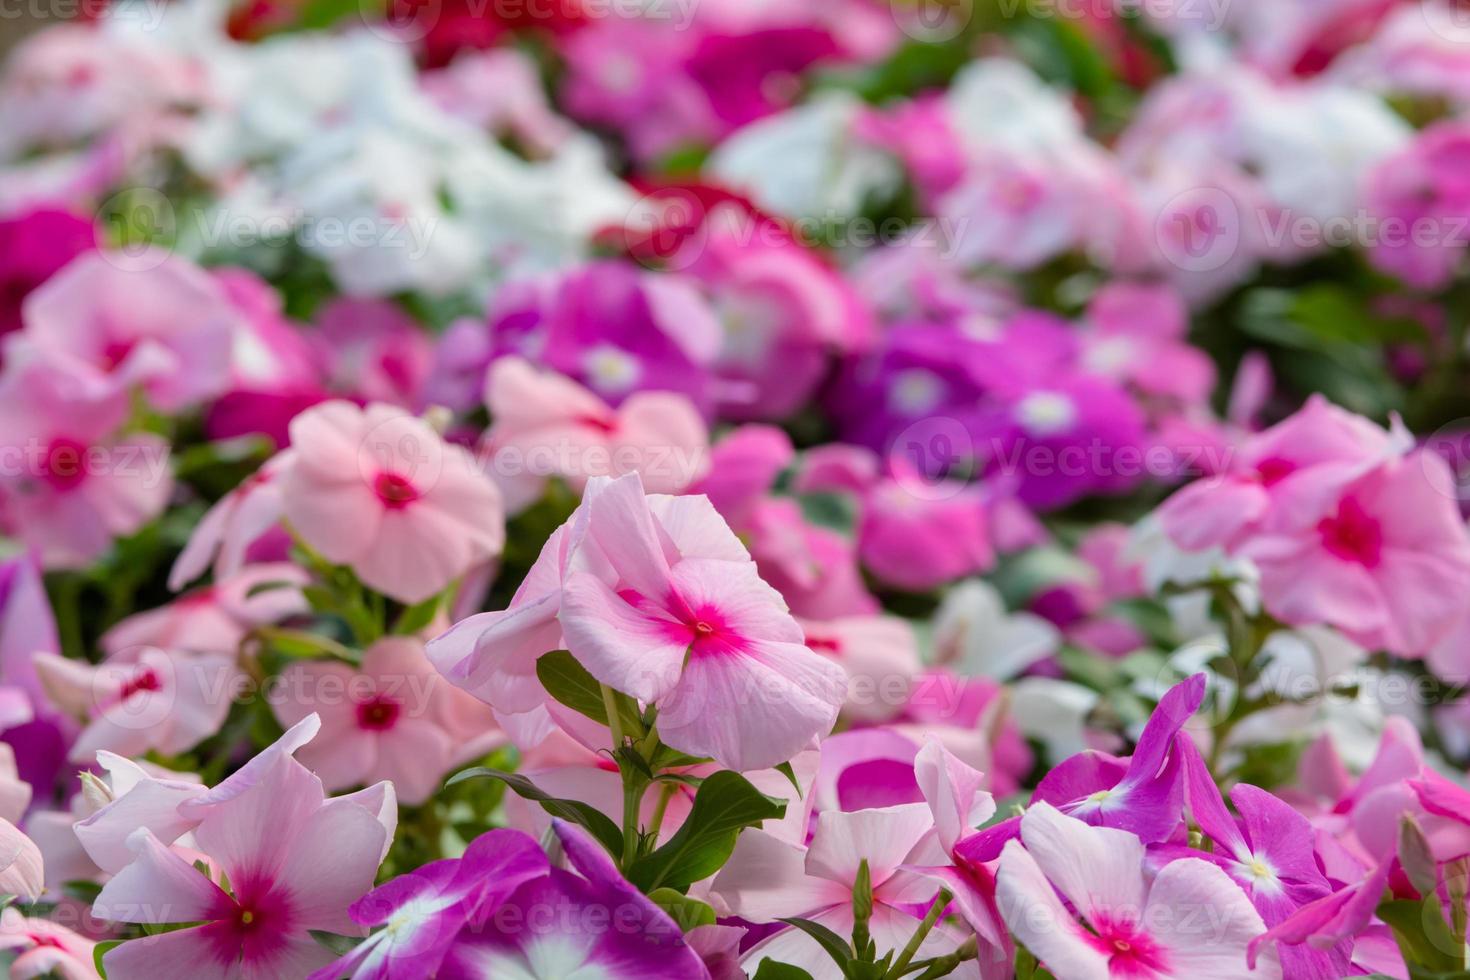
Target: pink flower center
point(1130, 952)
point(379, 714)
point(707, 632)
point(825, 644)
point(395, 491)
point(63, 467)
point(116, 352)
point(1353, 535)
point(145, 681)
point(1272, 471)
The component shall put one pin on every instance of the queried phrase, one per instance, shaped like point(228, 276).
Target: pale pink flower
point(21, 871)
point(153, 320)
point(15, 793)
point(388, 720)
point(224, 535)
point(768, 879)
point(380, 491)
point(80, 846)
point(45, 949)
point(1190, 922)
point(546, 425)
point(294, 862)
point(493, 655)
point(880, 655)
point(150, 699)
point(1386, 559)
point(170, 805)
point(78, 484)
point(215, 618)
point(707, 639)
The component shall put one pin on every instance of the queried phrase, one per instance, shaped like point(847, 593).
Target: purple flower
point(562, 924)
point(615, 329)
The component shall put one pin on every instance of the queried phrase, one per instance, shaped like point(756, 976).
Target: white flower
point(805, 162)
point(974, 634)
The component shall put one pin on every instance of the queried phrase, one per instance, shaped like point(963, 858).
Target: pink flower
point(374, 351)
point(879, 654)
point(546, 425)
point(153, 320)
point(1191, 922)
point(45, 949)
point(216, 618)
point(1420, 196)
point(913, 533)
point(1315, 449)
point(1386, 559)
point(768, 879)
point(386, 721)
point(706, 639)
point(294, 862)
point(150, 700)
point(784, 312)
point(1139, 336)
point(225, 535)
point(631, 584)
point(79, 484)
point(21, 872)
point(380, 491)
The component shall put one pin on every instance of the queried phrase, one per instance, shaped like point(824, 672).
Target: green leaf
point(272, 585)
point(725, 804)
point(786, 770)
point(1333, 314)
point(771, 970)
point(571, 684)
point(338, 945)
point(415, 618)
point(687, 912)
point(835, 945)
point(99, 951)
point(598, 823)
point(1422, 933)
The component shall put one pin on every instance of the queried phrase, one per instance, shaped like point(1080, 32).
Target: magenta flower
point(1143, 795)
point(380, 491)
point(1420, 196)
point(1190, 922)
point(421, 914)
point(293, 861)
point(616, 329)
point(33, 246)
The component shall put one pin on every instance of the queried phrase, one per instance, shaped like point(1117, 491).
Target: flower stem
point(901, 965)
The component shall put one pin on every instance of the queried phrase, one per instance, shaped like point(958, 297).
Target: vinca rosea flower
point(737, 488)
